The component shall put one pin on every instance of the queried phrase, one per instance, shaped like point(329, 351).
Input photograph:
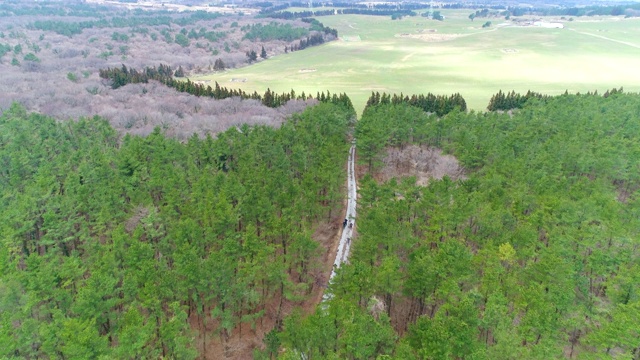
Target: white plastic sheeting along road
point(344, 247)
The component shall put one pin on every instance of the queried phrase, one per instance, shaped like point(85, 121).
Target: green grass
point(588, 54)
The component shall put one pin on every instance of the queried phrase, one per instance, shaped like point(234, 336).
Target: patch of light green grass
point(418, 55)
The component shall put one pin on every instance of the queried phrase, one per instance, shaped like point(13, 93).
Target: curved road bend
point(344, 247)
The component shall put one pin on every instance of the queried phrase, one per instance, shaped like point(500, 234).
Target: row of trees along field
point(309, 13)
point(629, 10)
point(533, 256)
point(141, 18)
point(164, 74)
point(123, 248)
point(430, 103)
point(513, 100)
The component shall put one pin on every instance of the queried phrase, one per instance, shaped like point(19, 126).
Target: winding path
point(344, 247)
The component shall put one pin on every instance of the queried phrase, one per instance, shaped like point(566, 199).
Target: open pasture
point(418, 55)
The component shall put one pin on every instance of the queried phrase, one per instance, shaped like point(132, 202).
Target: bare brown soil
point(139, 213)
point(624, 190)
point(423, 162)
point(405, 311)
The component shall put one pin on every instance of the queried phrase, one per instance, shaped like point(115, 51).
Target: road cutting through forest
point(344, 247)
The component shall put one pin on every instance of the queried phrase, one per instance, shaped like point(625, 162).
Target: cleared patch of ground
point(431, 37)
point(138, 214)
point(423, 162)
point(351, 38)
point(625, 190)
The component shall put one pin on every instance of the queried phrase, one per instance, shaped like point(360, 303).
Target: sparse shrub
point(116, 36)
point(219, 65)
point(252, 56)
point(105, 55)
point(72, 77)
point(129, 123)
point(4, 49)
point(182, 40)
point(31, 57)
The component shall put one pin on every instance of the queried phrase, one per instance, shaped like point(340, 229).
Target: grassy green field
point(418, 55)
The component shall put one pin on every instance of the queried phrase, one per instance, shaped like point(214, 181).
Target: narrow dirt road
point(344, 247)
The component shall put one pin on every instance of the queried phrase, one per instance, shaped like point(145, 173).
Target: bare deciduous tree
point(44, 86)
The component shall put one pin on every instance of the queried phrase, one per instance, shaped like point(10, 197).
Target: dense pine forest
point(144, 215)
point(131, 247)
point(118, 246)
point(534, 255)
point(164, 74)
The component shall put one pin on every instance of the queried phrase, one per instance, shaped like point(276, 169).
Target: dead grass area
point(138, 214)
point(423, 162)
point(244, 339)
point(624, 190)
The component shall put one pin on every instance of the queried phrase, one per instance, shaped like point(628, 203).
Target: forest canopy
point(132, 247)
point(199, 239)
point(123, 246)
point(533, 255)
